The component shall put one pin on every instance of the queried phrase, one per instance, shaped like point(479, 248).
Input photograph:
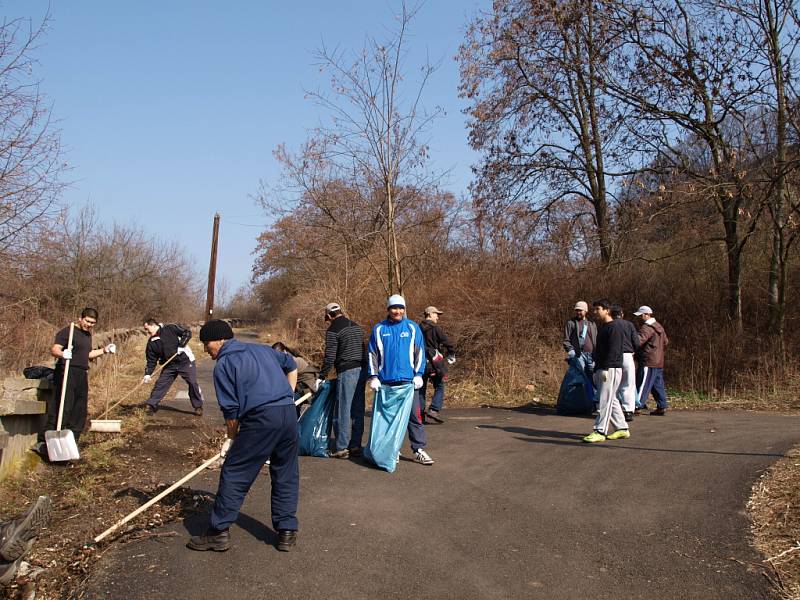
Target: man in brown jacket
point(653, 340)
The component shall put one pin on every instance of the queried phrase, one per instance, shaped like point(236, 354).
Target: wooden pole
point(212, 270)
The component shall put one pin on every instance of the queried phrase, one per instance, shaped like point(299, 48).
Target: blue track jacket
point(396, 351)
point(251, 375)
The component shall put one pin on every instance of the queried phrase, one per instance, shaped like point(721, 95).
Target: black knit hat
point(217, 329)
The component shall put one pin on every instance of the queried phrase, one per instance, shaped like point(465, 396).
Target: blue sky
point(170, 111)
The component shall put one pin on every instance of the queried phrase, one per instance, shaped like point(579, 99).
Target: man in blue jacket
point(397, 357)
point(254, 386)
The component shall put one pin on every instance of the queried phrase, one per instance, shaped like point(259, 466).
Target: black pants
point(76, 401)
point(187, 369)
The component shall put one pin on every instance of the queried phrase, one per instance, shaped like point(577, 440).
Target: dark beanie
point(215, 330)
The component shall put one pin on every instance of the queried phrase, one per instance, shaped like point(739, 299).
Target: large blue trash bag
point(576, 396)
point(314, 427)
point(391, 411)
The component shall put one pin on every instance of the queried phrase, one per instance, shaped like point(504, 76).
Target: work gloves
point(570, 354)
point(188, 352)
point(66, 353)
point(111, 349)
point(147, 378)
point(374, 384)
point(226, 445)
point(451, 360)
point(417, 382)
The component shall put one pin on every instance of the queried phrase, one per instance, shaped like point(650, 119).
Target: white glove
point(147, 378)
point(318, 383)
point(417, 382)
point(226, 445)
point(374, 384)
point(111, 348)
point(451, 360)
point(571, 354)
point(67, 354)
point(187, 351)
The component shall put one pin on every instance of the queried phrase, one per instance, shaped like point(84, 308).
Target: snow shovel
point(61, 444)
point(107, 425)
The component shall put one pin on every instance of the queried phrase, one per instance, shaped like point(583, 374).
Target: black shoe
point(287, 538)
point(339, 453)
point(150, 409)
point(434, 415)
point(17, 535)
point(198, 411)
point(659, 412)
point(357, 451)
point(217, 541)
point(628, 416)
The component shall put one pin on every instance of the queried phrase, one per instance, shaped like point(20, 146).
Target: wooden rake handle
point(152, 501)
point(136, 387)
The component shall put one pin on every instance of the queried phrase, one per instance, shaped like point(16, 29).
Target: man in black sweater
point(608, 375)
point(168, 344)
point(344, 351)
point(436, 364)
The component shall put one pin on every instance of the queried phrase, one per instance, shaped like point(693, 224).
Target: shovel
point(61, 444)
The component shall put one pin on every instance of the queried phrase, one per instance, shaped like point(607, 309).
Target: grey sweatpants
point(607, 382)
point(627, 386)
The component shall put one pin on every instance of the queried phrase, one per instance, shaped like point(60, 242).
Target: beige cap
point(581, 306)
point(433, 310)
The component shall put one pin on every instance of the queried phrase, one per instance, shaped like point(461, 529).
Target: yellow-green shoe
point(594, 437)
point(619, 434)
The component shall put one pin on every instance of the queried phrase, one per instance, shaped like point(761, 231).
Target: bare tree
point(30, 162)
point(548, 133)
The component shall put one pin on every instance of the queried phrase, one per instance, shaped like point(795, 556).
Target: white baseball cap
point(395, 300)
point(643, 310)
point(581, 306)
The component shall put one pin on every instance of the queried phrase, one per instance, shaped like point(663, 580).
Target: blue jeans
point(350, 408)
point(438, 391)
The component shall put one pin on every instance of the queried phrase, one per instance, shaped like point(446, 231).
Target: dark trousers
point(76, 401)
point(264, 433)
point(438, 391)
point(179, 366)
point(653, 382)
point(416, 431)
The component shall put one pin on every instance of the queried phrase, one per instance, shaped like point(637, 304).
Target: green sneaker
point(619, 434)
point(594, 437)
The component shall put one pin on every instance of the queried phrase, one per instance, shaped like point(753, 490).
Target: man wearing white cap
point(580, 336)
point(344, 351)
point(436, 370)
point(653, 340)
point(397, 357)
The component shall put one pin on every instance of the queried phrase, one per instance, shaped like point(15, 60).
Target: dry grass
point(775, 511)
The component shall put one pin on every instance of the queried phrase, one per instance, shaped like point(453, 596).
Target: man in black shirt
point(76, 396)
point(168, 346)
point(436, 364)
point(608, 375)
point(344, 351)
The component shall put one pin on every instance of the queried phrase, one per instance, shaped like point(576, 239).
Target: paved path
point(515, 507)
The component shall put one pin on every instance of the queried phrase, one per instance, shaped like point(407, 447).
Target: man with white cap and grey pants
point(344, 351)
point(653, 340)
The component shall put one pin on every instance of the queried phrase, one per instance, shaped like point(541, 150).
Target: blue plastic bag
point(576, 396)
point(314, 427)
point(391, 411)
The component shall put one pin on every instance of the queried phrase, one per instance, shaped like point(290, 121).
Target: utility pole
point(212, 271)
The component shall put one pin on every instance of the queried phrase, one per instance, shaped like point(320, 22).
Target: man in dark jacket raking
point(608, 375)
point(344, 351)
point(653, 340)
point(254, 386)
point(436, 364)
point(165, 342)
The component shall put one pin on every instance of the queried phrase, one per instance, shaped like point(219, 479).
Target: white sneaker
point(422, 457)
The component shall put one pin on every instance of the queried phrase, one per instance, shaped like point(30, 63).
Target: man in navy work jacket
point(254, 386)
point(397, 357)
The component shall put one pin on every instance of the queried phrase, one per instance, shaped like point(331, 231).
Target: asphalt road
point(515, 507)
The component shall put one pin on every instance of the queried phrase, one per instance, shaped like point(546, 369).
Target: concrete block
point(17, 384)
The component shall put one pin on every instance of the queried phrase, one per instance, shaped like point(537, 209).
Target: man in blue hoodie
point(397, 357)
point(254, 386)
